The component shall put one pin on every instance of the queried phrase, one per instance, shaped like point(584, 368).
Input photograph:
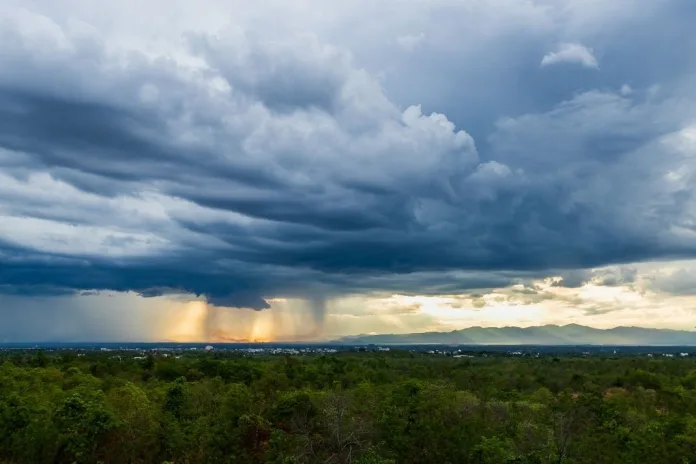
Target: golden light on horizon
point(601, 306)
point(608, 294)
point(197, 321)
point(262, 329)
point(293, 319)
point(188, 322)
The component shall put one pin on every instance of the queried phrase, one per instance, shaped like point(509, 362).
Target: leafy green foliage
point(359, 408)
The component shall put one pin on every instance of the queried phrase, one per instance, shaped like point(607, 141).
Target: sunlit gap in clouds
point(655, 292)
point(285, 320)
point(187, 323)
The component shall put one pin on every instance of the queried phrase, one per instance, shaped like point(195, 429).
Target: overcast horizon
point(369, 338)
point(312, 169)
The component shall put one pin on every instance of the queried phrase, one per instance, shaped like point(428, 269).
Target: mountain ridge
point(549, 334)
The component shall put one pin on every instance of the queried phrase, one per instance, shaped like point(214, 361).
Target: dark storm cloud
point(282, 168)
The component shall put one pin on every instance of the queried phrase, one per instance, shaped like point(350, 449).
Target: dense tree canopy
point(363, 408)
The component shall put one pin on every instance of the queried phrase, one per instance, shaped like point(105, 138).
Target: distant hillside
point(572, 334)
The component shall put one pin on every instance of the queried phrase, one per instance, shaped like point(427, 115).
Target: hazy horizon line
point(337, 338)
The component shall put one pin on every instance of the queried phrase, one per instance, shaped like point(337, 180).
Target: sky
point(308, 169)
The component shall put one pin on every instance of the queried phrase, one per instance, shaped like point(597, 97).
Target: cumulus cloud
point(233, 170)
point(571, 53)
point(230, 159)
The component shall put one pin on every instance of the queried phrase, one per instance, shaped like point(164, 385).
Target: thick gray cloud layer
point(458, 145)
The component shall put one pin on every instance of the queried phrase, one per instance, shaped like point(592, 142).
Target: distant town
point(178, 350)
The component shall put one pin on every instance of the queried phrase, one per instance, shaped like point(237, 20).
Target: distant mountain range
point(572, 334)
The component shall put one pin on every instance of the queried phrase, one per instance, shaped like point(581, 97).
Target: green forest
point(352, 407)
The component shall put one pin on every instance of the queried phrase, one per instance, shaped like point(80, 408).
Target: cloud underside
point(243, 166)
